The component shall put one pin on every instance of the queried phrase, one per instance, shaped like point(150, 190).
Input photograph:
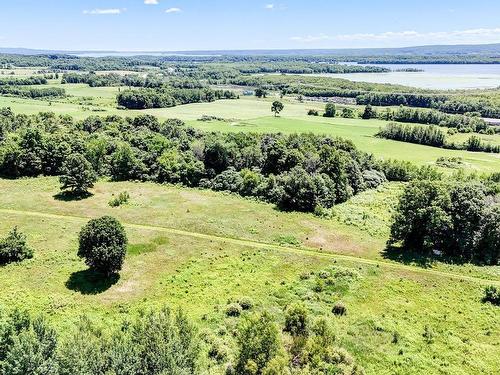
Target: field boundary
point(264, 245)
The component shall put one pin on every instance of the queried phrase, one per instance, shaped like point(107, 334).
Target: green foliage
point(233, 309)
point(78, 175)
point(428, 135)
point(13, 248)
point(169, 97)
point(32, 351)
point(103, 245)
point(260, 92)
point(277, 107)
point(453, 218)
point(492, 295)
point(259, 343)
point(368, 113)
point(157, 342)
point(119, 200)
point(312, 112)
point(330, 110)
point(246, 303)
point(297, 320)
point(339, 309)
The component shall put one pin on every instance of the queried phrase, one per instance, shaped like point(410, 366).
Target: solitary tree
point(330, 110)
point(369, 113)
point(103, 244)
point(78, 175)
point(277, 107)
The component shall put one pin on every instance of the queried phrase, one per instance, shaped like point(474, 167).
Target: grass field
point(191, 248)
point(253, 115)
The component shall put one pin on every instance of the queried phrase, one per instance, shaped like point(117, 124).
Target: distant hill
point(432, 50)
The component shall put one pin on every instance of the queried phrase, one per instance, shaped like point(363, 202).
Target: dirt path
point(263, 245)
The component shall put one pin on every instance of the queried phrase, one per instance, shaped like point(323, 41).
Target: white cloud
point(151, 2)
point(173, 10)
point(104, 11)
point(269, 6)
point(480, 35)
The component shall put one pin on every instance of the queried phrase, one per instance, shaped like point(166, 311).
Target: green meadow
point(201, 249)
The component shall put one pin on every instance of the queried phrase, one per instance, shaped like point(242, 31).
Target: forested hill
point(429, 50)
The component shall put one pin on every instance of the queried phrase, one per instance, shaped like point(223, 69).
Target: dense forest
point(296, 172)
point(169, 97)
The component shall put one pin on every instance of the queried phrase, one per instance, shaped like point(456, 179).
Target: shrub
point(122, 198)
point(312, 112)
point(246, 303)
point(492, 295)
point(348, 112)
point(259, 343)
point(296, 320)
point(77, 175)
point(13, 248)
point(339, 309)
point(369, 113)
point(233, 309)
point(330, 110)
point(103, 244)
point(373, 178)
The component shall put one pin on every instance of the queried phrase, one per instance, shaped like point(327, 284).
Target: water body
point(434, 76)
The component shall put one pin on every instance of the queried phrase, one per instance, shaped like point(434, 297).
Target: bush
point(296, 320)
point(339, 309)
point(246, 303)
point(259, 343)
point(369, 113)
point(103, 244)
point(330, 110)
point(13, 248)
point(492, 295)
point(312, 112)
point(77, 175)
point(122, 198)
point(233, 309)
point(373, 178)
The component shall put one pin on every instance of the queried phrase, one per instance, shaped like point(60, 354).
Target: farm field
point(178, 257)
point(253, 115)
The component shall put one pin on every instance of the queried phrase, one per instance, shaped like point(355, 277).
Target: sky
point(180, 25)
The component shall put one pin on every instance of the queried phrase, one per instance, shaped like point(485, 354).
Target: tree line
point(433, 136)
point(24, 81)
point(32, 92)
point(170, 97)
point(295, 172)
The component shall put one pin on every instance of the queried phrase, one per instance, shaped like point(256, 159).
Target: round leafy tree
point(103, 244)
point(78, 175)
point(277, 107)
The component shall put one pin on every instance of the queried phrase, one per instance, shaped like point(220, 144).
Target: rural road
point(264, 245)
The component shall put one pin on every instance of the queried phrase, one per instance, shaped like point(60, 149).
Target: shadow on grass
point(67, 196)
point(91, 282)
point(407, 256)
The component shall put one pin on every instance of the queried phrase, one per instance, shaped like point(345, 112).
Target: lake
point(434, 76)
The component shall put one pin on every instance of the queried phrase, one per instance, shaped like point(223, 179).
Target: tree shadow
point(91, 282)
point(67, 196)
point(407, 256)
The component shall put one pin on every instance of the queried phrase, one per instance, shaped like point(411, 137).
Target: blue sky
point(162, 25)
